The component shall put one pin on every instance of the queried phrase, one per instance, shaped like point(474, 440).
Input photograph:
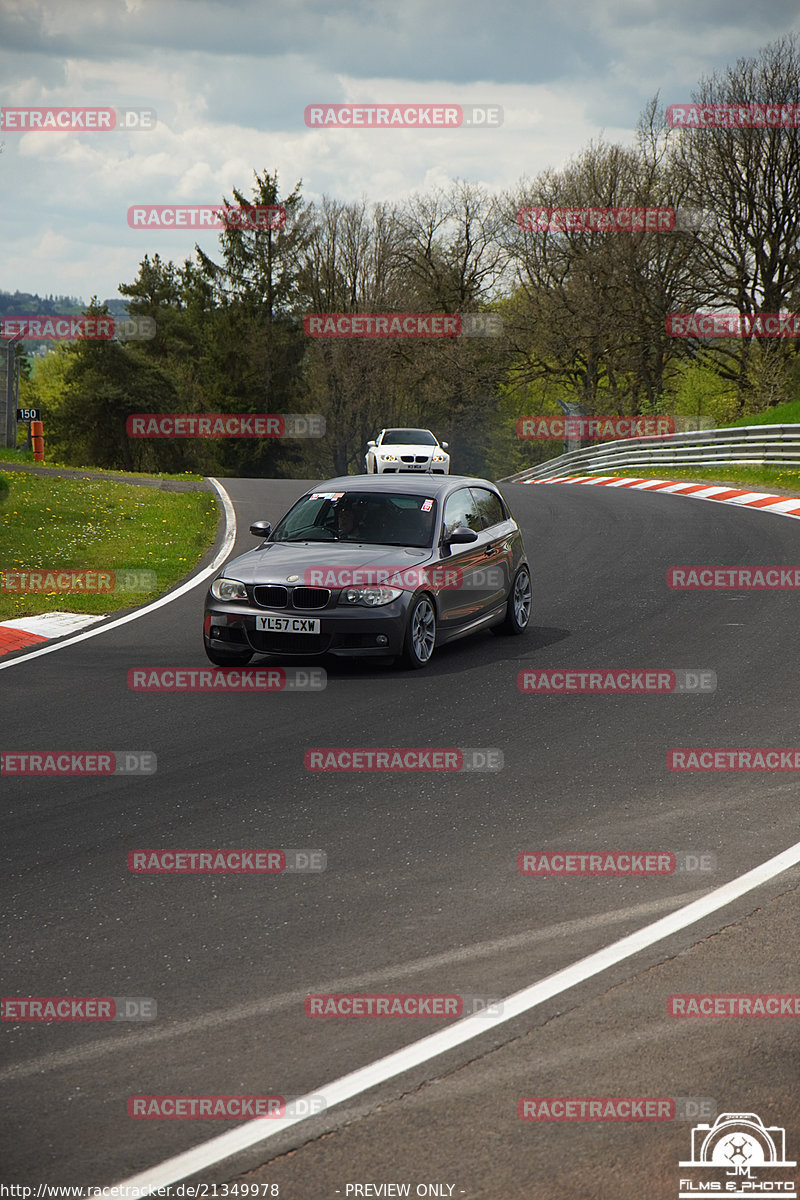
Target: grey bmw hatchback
point(370, 566)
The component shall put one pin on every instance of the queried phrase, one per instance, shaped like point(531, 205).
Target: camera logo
point(730, 1151)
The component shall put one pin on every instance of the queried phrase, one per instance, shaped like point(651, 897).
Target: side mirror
point(371, 442)
point(461, 536)
point(444, 445)
point(261, 529)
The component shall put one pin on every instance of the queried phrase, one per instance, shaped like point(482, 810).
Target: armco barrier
point(755, 444)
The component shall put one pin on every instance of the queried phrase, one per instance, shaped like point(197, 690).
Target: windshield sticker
point(427, 506)
point(326, 495)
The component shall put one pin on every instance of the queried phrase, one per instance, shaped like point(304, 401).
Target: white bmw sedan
point(398, 450)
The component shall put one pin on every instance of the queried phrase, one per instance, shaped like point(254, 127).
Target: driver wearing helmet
point(349, 519)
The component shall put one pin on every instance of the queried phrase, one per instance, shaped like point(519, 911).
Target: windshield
point(408, 437)
point(373, 518)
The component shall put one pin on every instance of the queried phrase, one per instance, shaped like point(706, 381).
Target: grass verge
point(781, 414)
point(94, 525)
point(26, 456)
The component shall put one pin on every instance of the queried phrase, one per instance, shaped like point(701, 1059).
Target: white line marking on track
point(252, 1132)
point(224, 550)
point(137, 1041)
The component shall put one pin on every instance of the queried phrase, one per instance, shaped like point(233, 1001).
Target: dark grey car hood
point(275, 561)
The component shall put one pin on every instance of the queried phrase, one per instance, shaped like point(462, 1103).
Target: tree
point(103, 383)
point(255, 344)
point(748, 181)
point(591, 314)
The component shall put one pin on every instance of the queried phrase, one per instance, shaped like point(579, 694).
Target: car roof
point(414, 485)
point(406, 429)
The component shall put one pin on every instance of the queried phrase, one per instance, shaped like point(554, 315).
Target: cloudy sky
point(230, 80)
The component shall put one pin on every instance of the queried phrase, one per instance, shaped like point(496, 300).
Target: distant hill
point(25, 304)
point(31, 304)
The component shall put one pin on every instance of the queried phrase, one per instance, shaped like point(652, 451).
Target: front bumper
point(360, 632)
point(413, 469)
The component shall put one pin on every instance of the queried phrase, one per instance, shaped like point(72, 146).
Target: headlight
point(370, 597)
point(388, 458)
point(440, 458)
point(228, 589)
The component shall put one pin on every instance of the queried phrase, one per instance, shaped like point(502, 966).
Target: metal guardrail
point(755, 444)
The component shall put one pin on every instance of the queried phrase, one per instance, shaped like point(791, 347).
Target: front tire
point(221, 658)
point(518, 609)
point(420, 639)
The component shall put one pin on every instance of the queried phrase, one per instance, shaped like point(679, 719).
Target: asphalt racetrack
point(421, 891)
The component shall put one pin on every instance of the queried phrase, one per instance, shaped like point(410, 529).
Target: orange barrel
point(37, 429)
point(37, 440)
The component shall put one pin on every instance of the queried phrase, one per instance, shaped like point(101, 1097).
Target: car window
point(409, 524)
point(304, 521)
point(460, 510)
point(489, 506)
point(379, 518)
point(408, 437)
